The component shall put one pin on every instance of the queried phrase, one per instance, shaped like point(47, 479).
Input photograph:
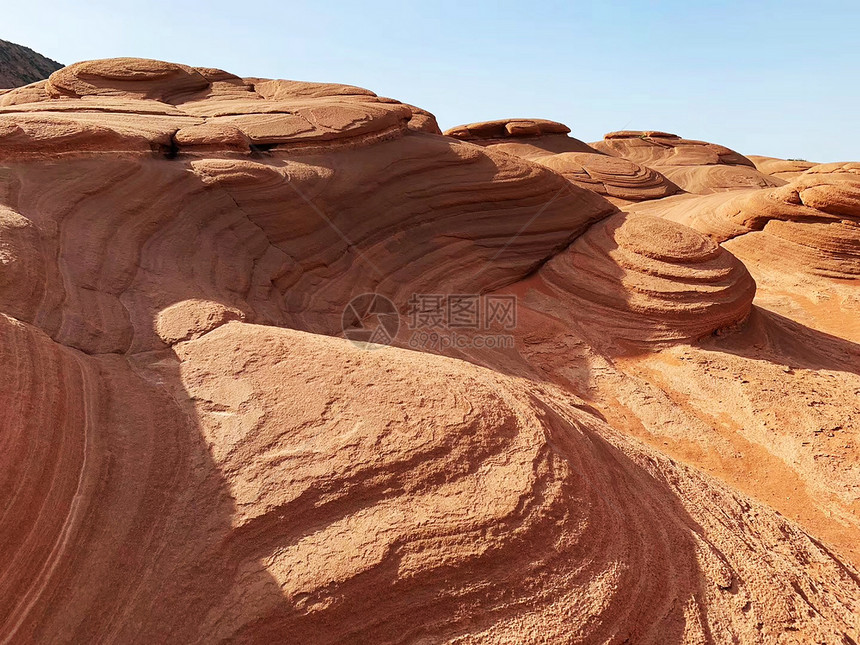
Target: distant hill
point(20, 65)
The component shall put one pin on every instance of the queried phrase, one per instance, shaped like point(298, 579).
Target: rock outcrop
point(786, 169)
point(811, 224)
point(297, 194)
point(191, 455)
point(646, 279)
point(318, 506)
point(696, 166)
point(511, 129)
point(623, 180)
point(547, 143)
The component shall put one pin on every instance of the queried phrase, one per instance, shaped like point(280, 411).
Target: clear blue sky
point(763, 77)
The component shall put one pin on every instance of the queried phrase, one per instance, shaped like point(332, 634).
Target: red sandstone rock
point(786, 169)
point(645, 279)
point(811, 224)
point(696, 166)
point(610, 176)
point(546, 143)
point(190, 456)
point(507, 128)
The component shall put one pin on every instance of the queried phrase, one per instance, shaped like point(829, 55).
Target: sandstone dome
point(610, 176)
point(511, 129)
point(547, 143)
point(651, 280)
point(696, 166)
point(221, 159)
point(786, 169)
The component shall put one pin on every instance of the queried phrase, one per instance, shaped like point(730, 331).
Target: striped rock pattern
point(651, 280)
point(696, 166)
point(189, 456)
point(546, 143)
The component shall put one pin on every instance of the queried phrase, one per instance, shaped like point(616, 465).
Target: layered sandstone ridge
point(650, 280)
point(786, 169)
point(696, 166)
point(190, 456)
point(811, 224)
point(610, 176)
point(318, 504)
point(507, 129)
point(284, 240)
point(299, 196)
point(547, 143)
point(136, 105)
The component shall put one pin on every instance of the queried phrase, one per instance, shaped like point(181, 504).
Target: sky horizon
point(770, 78)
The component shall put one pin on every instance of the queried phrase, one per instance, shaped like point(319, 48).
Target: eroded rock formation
point(547, 143)
point(696, 166)
point(191, 455)
point(814, 220)
point(786, 169)
point(649, 279)
point(355, 180)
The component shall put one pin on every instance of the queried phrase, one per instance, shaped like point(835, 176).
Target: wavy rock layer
point(527, 138)
point(507, 129)
point(696, 166)
point(811, 224)
point(786, 169)
point(110, 502)
point(48, 431)
point(493, 511)
point(180, 466)
point(665, 149)
point(648, 279)
point(546, 143)
point(285, 236)
point(610, 176)
point(136, 105)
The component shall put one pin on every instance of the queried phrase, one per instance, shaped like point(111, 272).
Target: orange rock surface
point(546, 142)
point(696, 166)
point(666, 452)
point(786, 169)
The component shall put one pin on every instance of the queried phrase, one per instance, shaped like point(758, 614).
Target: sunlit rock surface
point(666, 453)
